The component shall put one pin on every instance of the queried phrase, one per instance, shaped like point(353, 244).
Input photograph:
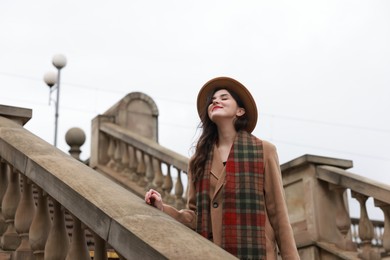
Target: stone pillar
point(136, 112)
point(99, 142)
point(315, 210)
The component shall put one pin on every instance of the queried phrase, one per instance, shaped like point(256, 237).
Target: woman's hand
point(154, 198)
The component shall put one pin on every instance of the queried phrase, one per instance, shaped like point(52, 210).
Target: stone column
point(317, 210)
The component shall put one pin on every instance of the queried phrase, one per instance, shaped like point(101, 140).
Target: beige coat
point(277, 226)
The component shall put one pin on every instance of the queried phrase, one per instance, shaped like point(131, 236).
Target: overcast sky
point(319, 70)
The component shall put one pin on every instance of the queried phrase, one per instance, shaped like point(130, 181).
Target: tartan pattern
point(203, 226)
point(243, 232)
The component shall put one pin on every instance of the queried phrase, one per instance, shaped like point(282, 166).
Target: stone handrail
point(117, 218)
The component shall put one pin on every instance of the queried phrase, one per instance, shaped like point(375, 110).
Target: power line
point(65, 83)
point(19, 76)
point(80, 86)
point(169, 124)
point(47, 105)
point(312, 121)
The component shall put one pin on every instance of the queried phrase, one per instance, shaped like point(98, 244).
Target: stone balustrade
point(362, 189)
point(40, 187)
point(140, 163)
point(316, 191)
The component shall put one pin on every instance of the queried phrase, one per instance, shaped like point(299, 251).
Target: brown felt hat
point(236, 87)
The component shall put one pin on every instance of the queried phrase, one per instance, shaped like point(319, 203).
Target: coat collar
point(218, 169)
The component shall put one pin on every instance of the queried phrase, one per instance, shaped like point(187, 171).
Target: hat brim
point(235, 86)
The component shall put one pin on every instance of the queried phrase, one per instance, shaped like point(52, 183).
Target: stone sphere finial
point(75, 138)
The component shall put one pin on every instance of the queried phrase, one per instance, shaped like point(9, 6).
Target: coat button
point(215, 205)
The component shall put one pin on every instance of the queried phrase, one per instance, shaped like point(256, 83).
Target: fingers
point(152, 196)
point(148, 196)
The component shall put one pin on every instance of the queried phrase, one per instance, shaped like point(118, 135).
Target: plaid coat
point(277, 227)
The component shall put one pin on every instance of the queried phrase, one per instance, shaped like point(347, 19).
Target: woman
point(235, 191)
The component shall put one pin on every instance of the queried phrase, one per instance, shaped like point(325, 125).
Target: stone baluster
point(149, 172)
point(133, 163)
point(179, 201)
point(125, 161)
point(40, 226)
point(158, 176)
point(100, 248)
point(342, 218)
point(78, 246)
point(141, 170)
point(10, 239)
point(23, 219)
point(343, 221)
point(3, 188)
point(57, 245)
point(167, 186)
point(366, 229)
point(386, 232)
point(118, 156)
point(111, 152)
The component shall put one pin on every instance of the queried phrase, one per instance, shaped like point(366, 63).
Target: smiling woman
point(318, 68)
point(224, 107)
point(229, 166)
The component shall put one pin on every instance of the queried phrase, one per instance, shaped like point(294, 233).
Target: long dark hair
point(209, 135)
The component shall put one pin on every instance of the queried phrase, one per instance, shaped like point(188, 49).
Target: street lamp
point(53, 81)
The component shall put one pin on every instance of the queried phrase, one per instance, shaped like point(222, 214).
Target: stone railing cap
point(17, 114)
point(315, 159)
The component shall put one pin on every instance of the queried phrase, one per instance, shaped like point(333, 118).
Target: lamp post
point(53, 81)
